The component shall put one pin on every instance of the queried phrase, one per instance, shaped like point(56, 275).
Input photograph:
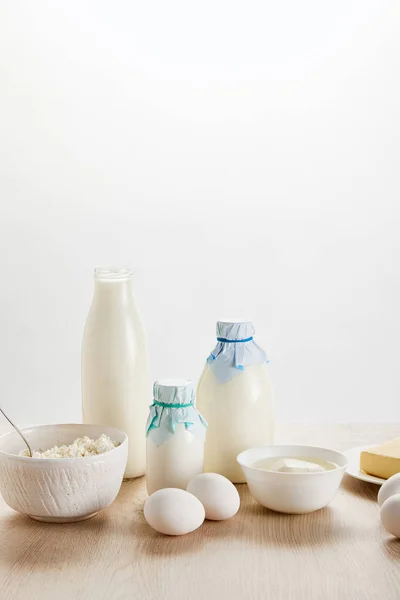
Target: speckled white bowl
point(61, 490)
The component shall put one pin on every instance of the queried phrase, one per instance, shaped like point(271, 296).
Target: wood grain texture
point(340, 552)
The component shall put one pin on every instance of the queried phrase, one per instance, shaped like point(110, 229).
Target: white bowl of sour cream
point(83, 479)
point(291, 478)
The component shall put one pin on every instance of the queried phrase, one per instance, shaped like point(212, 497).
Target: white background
point(242, 156)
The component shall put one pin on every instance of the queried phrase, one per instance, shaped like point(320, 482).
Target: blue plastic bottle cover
point(173, 403)
point(235, 350)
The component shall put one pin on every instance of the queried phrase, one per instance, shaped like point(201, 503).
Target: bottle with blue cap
point(235, 396)
point(175, 436)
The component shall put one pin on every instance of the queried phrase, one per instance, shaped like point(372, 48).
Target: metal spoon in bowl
point(18, 431)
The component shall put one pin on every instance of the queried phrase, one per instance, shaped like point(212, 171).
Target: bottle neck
point(113, 286)
point(113, 292)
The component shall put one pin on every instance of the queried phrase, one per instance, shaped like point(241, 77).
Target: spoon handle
point(17, 430)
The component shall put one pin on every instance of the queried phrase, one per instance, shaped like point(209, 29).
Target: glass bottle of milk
point(235, 396)
point(115, 378)
point(175, 436)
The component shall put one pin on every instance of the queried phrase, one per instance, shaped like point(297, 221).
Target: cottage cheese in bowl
point(75, 472)
point(84, 446)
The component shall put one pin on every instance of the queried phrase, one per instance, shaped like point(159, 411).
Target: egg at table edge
point(390, 487)
point(173, 511)
point(390, 515)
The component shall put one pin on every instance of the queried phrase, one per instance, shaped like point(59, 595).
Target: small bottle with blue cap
point(235, 396)
point(175, 436)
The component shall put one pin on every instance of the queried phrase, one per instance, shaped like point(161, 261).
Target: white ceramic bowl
point(61, 490)
point(294, 493)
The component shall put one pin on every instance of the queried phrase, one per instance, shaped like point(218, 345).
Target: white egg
point(390, 515)
point(390, 487)
point(217, 494)
point(173, 511)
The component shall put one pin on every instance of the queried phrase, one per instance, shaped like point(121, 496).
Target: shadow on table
point(392, 547)
point(156, 545)
point(28, 543)
point(268, 528)
point(368, 491)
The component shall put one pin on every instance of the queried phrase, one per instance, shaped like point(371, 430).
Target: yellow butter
point(382, 461)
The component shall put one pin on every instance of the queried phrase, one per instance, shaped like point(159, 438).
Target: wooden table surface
point(340, 552)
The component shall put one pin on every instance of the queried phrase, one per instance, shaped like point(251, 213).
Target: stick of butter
point(382, 461)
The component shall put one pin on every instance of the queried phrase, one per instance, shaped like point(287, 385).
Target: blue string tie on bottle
point(249, 339)
point(235, 350)
point(173, 404)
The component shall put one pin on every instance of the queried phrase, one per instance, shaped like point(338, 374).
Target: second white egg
point(217, 494)
point(390, 515)
point(389, 488)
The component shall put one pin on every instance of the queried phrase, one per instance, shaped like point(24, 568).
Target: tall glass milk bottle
point(115, 375)
point(235, 397)
point(175, 436)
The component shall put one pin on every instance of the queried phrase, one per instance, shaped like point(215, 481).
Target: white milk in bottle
point(115, 378)
point(175, 436)
point(235, 396)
